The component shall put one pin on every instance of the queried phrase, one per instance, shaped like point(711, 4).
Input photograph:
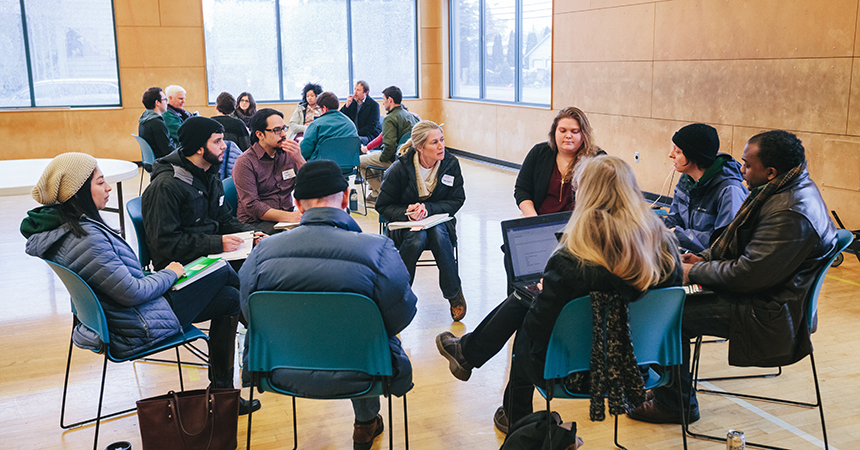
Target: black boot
point(222, 351)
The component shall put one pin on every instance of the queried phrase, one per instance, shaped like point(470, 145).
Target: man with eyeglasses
point(331, 124)
point(151, 125)
point(265, 175)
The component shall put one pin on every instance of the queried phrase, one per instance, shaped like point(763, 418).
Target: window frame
point(350, 65)
point(31, 84)
point(482, 46)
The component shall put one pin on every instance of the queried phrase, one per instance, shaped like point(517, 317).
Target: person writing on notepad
point(426, 180)
point(140, 309)
point(184, 212)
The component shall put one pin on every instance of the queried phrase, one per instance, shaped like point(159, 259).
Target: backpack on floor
point(530, 433)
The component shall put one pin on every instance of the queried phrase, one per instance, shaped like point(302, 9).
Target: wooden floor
point(444, 413)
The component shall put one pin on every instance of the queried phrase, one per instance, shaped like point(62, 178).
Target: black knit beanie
point(699, 142)
point(318, 179)
point(195, 132)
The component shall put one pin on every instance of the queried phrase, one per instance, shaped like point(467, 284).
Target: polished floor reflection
point(444, 413)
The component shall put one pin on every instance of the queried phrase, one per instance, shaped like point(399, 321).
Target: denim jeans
point(365, 409)
point(437, 240)
point(705, 314)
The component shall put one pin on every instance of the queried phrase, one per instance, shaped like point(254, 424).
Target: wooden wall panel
point(181, 14)
point(720, 29)
point(805, 94)
point(585, 5)
point(136, 13)
point(472, 127)
point(519, 129)
point(430, 45)
point(431, 87)
point(609, 87)
point(841, 164)
point(137, 80)
point(160, 47)
point(615, 34)
point(854, 99)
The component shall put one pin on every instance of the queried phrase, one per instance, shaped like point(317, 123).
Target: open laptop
point(528, 244)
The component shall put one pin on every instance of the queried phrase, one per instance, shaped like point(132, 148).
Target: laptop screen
point(530, 241)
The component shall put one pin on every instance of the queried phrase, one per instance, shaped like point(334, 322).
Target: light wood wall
point(640, 69)
point(643, 69)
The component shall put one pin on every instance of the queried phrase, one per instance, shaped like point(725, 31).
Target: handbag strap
point(210, 422)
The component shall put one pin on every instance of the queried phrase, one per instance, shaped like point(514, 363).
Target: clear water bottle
point(735, 440)
point(353, 200)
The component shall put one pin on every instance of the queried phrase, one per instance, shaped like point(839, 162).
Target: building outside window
point(273, 48)
point(501, 50)
point(58, 53)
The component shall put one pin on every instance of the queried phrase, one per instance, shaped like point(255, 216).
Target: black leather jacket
point(782, 248)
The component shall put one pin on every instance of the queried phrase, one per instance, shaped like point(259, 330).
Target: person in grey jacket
point(140, 309)
point(314, 258)
point(761, 269)
point(710, 189)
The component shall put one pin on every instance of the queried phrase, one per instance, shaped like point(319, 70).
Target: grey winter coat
point(138, 315)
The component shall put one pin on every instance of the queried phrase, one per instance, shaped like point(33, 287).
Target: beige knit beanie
point(63, 178)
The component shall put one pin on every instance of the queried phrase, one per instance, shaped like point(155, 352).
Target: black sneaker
point(246, 407)
point(449, 347)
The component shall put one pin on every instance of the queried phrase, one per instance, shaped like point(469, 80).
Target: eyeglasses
point(277, 130)
point(162, 99)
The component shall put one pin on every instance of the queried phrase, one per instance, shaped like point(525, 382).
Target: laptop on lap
point(528, 244)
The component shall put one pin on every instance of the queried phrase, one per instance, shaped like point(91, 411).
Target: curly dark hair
point(310, 87)
point(779, 149)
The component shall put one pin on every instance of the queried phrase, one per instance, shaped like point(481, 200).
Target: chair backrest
point(146, 153)
point(85, 304)
point(230, 195)
point(844, 238)
point(135, 213)
point(655, 329)
point(344, 151)
point(316, 330)
point(404, 138)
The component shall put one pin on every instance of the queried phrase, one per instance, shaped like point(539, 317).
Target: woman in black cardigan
point(439, 189)
point(543, 184)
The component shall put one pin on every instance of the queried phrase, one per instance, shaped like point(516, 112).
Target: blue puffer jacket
point(328, 253)
point(138, 316)
point(700, 210)
point(231, 154)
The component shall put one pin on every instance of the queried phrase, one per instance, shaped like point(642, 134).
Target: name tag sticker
point(447, 180)
point(221, 201)
point(289, 173)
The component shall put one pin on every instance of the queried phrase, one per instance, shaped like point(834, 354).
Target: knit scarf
point(613, 371)
point(726, 246)
point(425, 186)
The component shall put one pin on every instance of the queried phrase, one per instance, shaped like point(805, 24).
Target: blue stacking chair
point(333, 331)
point(147, 157)
point(231, 197)
point(135, 213)
point(844, 238)
point(655, 329)
point(88, 310)
point(345, 152)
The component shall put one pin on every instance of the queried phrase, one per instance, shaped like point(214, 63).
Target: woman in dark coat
point(140, 308)
point(426, 180)
point(612, 244)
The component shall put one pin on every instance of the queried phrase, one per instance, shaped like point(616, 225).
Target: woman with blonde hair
point(426, 180)
point(613, 243)
point(543, 184)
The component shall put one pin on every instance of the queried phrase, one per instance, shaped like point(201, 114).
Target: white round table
point(18, 176)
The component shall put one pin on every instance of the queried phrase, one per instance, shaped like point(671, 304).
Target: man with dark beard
point(184, 211)
point(265, 175)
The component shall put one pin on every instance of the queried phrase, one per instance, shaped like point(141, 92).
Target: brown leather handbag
point(190, 420)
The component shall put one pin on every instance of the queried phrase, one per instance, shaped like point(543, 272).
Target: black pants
point(495, 330)
point(214, 298)
point(706, 314)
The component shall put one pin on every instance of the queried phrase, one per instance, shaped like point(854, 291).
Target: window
point(501, 50)
point(58, 53)
point(272, 49)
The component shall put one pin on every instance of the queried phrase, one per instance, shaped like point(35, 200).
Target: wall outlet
point(636, 157)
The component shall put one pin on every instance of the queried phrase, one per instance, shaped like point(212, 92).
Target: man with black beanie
point(710, 189)
point(184, 211)
point(315, 257)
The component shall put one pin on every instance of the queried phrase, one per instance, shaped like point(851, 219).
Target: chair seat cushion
point(85, 338)
point(321, 383)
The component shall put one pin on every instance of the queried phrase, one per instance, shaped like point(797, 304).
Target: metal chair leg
point(295, 427)
point(390, 425)
point(616, 436)
point(250, 413)
point(405, 422)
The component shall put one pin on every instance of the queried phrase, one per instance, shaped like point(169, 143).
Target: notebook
point(528, 244)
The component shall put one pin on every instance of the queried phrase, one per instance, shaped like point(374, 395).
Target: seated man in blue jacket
point(710, 189)
point(313, 258)
point(331, 124)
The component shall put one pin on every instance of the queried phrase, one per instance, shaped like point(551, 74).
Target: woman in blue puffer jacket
point(140, 309)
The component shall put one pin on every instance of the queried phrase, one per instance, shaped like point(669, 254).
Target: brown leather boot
point(363, 434)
